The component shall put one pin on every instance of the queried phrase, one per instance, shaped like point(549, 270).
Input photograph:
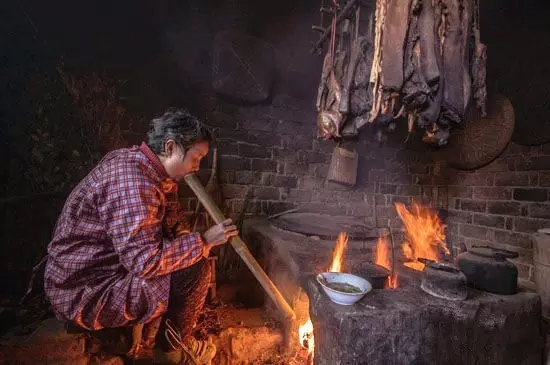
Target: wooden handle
point(241, 248)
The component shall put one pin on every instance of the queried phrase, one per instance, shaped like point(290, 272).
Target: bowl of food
point(343, 288)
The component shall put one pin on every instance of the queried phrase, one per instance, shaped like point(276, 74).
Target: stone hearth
point(394, 326)
point(406, 326)
point(288, 256)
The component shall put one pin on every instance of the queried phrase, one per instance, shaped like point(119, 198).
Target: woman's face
point(179, 163)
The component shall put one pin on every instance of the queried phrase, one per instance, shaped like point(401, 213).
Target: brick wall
point(502, 203)
point(272, 150)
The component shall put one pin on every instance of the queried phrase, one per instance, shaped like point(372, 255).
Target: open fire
point(305, 331)
point(383, 253)
point(306, 336)
point(425, 234)
point(425, 238)
point(382, 311)
point(337, 257)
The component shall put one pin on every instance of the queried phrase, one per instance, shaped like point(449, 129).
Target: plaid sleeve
point(132, 211)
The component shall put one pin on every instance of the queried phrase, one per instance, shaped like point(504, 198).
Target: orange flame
point(383, 259)
point(425, 234)
point(392, 281)
point(305, 332)
point(337, 257)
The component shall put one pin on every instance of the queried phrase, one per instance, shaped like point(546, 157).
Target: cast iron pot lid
point(370, 270)
point(494, 253)
point(443, 266)
point(327, 227)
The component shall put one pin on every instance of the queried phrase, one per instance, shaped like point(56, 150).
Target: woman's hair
point(178, 125)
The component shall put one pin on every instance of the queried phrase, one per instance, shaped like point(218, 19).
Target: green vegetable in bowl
point(344, 288)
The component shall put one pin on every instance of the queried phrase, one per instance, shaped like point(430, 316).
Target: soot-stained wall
point(162, 55)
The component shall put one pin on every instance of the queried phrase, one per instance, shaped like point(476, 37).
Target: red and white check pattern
point(111, 256)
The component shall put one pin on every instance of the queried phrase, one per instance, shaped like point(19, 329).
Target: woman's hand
point(219, 234)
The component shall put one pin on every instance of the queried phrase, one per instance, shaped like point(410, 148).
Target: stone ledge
point(407, 326)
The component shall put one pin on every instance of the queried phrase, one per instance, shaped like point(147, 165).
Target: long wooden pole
point(241, 248)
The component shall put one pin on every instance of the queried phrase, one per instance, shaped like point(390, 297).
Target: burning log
point(241, 249)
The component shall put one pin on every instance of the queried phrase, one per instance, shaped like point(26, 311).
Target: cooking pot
point(443, 280)
point(376, 275)
point(487, 268)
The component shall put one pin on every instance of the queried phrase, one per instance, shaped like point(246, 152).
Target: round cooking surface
point(327, 227)
point(490, 252)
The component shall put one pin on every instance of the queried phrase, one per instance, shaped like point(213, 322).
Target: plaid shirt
point(119, 237)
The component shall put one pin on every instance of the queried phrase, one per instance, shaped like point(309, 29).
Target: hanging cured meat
point(418, 59)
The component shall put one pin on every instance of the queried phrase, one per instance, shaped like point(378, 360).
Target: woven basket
point(343, 166)
point(482, 139)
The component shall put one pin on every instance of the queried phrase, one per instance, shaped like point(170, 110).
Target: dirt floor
point(242, 336)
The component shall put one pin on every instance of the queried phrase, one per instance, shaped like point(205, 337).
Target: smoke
point(190, 32)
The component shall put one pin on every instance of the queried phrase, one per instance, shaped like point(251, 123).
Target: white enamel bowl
point(339, 277)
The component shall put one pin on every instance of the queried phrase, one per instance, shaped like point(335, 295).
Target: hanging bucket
point(343, 166)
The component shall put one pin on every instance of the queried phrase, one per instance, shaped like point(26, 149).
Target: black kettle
point(487, 268)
